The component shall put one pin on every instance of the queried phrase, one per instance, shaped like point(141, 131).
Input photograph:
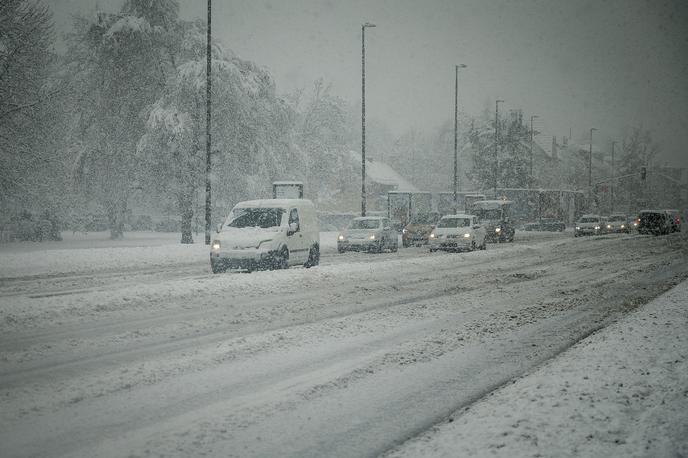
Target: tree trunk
point(115, 213)
point(186, 211)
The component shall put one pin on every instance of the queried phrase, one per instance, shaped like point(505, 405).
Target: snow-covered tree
point(26, 91)
point(119, 65)
point(249, 130)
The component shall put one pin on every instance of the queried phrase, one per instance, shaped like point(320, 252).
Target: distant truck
point(496, 216)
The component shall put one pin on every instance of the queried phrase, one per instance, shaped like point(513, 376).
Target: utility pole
point(496, 141)
point(207, 131)
point(363, 175)
point(531, 149)
point(590, 170)
point(456, 123)
point(613, 179)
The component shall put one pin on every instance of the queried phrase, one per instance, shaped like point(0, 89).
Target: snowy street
point(137, 349)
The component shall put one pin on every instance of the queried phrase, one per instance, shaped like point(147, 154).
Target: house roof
point(379, 172)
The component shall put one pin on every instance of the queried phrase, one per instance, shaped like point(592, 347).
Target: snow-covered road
point(140, 351)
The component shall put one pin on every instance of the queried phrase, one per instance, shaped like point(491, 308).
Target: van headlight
point(432, 235)
point(578, 228)
point(372, 237)
point(341, 237)
point(466, 235)
point(597, 228)
point(404, 231)
point(216, 245)
point(623, 226)
point(609, 226)
point(497, 230)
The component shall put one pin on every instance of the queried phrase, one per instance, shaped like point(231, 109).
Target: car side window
point(294, 218)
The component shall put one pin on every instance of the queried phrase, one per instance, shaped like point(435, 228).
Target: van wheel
point(395, 246)
point(282, 259)
point(313, 257)
point(473, 245)
point(217, 267)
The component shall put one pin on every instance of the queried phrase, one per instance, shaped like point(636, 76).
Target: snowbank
point(621, 392)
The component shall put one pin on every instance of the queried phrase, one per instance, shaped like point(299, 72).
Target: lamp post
point(207, 131)
point(590, 169)
point(531, 149)
point(496, 141)
point(456, 121)
point(613, 179)
point(363, 176)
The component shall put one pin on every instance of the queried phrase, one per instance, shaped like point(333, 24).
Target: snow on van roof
point(275, 203)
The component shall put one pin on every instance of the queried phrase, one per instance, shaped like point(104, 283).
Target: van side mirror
point(218, 228)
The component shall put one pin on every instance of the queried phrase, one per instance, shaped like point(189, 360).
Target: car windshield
point(617, 218)
point(494, 214)
point(590, 219)
point(454, 222)
point(423, 218)
point(365, 224)
point(256, 217)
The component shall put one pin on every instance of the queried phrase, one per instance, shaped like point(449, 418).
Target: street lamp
point(363, 176)
point(590, 169)
point(531, 148)
point(495, 165)
point(613, 179)
point(207, 131)
point(456, 117)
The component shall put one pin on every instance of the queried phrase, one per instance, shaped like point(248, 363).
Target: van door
point(297, 243)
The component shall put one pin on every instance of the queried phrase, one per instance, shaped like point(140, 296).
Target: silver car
point(368, 233)
point(458, 232)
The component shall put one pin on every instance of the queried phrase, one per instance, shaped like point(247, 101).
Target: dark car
point(546, 224)
point(674, 220)
point(655, 222)
point(617, 223)
point(417, 231)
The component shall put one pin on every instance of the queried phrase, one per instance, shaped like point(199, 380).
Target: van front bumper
point(250, 258)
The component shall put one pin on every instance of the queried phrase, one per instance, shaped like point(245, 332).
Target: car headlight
point(404, 231)
point(466, 235)
point(372, 237)
point(341, 237)
point(597, 228)
point(216, 244)
point(432, 235)
point(497, 230)
point(609, 226)
point(578, 228)
point(623, 226)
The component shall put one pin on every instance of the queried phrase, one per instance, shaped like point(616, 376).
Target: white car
point(589, 225)
point(269, 234)
point(458, 232)
point(368, 233)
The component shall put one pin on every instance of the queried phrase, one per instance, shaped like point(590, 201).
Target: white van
point(267, 234)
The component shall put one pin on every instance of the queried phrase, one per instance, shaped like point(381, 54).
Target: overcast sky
point(576, 64)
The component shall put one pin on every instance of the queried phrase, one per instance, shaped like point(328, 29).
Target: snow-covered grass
point(620, 392)
point(92, 252)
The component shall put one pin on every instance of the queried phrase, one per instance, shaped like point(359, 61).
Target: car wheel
point(217, 267)
point(282, 259)
point(484, 245)
point(473, 245)
point(313, 257)
point(395, 246)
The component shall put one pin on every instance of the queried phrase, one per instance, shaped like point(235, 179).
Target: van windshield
point(256, 217)
point(364, 224)
point(491, 215)
point(590, 219)
point(454, 222)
